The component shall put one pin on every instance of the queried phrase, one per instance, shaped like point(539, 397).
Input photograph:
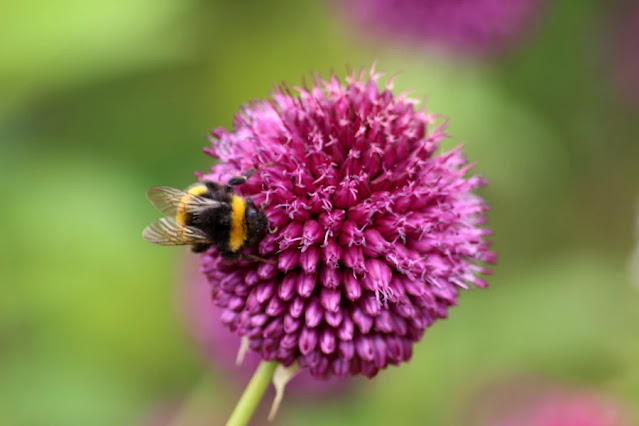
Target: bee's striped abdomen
point(238, 233)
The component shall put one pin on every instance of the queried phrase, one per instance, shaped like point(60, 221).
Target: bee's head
point(256, 220)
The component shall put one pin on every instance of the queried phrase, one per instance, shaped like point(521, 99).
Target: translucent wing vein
point(167, 200)
point(167, 232)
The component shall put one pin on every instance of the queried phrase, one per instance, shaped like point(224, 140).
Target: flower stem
point(252, 395)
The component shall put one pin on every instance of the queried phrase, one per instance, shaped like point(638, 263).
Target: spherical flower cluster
point(479, 26)
point(371, 233)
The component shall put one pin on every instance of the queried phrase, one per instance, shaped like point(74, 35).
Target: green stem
point(252, 395)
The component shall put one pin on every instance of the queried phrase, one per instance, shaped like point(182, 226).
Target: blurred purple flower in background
point(477, 26)
point(372, 235)
point(220, 346)
point(534, 402)
point(623, 49)
point(563, 408)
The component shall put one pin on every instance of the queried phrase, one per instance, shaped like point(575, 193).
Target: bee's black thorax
point(232, 225)
point(215, 222)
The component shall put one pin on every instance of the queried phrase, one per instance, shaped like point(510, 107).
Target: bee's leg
point(200, 247)
point(239, 180)
point(252, 258)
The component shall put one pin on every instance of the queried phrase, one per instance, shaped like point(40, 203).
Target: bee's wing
point(167, 200)
point(167, 232)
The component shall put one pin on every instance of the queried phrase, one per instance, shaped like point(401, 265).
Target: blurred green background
point(101, 100)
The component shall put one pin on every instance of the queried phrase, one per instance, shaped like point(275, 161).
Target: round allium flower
point(479, 26)
point(220, 346)
point(371, 233)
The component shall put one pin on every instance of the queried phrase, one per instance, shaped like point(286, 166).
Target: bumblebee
point(206, 214)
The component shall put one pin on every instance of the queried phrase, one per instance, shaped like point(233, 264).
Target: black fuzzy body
point(215, 222)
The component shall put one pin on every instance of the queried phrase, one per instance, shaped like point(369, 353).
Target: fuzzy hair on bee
point(206, 214)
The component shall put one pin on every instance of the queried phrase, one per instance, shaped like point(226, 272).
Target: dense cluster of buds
point(372, 231)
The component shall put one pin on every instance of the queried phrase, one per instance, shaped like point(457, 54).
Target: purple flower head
point(220, 346)
point(479, 26)
point(371, 234)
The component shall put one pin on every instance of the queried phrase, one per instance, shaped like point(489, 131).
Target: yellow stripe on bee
point(237, 236)
point(181, 215)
